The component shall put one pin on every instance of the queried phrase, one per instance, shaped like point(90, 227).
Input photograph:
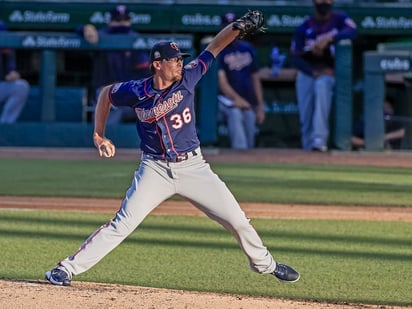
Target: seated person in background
point(241, 94)
point(13, 90)
point(394, 130)
point(116, 65)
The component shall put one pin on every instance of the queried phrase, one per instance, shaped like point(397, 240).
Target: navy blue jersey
point(239, 61)
point(307, 33)
point(165, 118)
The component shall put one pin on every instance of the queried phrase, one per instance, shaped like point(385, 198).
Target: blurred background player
point(313, 55)
point(240, 90)
point(14, 90)
point(394, 129)
point(116, 65)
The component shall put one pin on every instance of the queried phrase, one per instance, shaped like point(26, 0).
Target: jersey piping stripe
point(146, 85)
point(84, 245)
point(110, 92)
point(203, 65)
point(170, 137)
point(159, 133)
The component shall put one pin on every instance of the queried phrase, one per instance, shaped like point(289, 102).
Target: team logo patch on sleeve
point(192, 64)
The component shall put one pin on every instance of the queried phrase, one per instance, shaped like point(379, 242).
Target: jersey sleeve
point(123, 94)
point(347, 28)
point(298, 40)
point(195, 69)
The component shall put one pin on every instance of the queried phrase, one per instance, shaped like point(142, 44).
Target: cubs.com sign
point(387, 62)
point(394, 64)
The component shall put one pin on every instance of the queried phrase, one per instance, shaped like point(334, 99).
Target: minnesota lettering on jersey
point(161, 109)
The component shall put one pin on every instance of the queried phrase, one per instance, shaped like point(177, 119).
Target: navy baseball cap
point(166, 50)
point(119, 13)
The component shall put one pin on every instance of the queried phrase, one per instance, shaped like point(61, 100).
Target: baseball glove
point(250, 23)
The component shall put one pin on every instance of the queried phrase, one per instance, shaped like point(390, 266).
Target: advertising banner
point(193, 18)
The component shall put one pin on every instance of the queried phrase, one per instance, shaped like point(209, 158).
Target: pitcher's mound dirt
point(39, 294)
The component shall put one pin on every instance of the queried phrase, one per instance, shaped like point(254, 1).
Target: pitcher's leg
point(139, 201)
point(217, 202)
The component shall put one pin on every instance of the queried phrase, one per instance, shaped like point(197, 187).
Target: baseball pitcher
point(172, 161)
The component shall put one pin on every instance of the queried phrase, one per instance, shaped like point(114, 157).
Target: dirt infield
point(39, 294)
point(252, 210)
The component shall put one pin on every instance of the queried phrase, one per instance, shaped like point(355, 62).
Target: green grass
point(269, 183)
point(340, 261)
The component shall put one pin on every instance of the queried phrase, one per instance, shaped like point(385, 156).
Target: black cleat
point(59, 276)
point(285, 273)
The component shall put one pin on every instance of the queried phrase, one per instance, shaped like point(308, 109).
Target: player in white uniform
point(172, 162)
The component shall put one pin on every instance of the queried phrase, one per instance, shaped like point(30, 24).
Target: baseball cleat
point(285, 273)
point(59, 276)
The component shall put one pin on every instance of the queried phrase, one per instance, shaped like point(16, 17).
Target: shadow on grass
point(138, 238)
point(191, 228)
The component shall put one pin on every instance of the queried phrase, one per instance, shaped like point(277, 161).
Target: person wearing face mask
point(312, 52)
point(115, 65)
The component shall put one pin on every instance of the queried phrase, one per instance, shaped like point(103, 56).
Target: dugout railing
point(50, 129)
